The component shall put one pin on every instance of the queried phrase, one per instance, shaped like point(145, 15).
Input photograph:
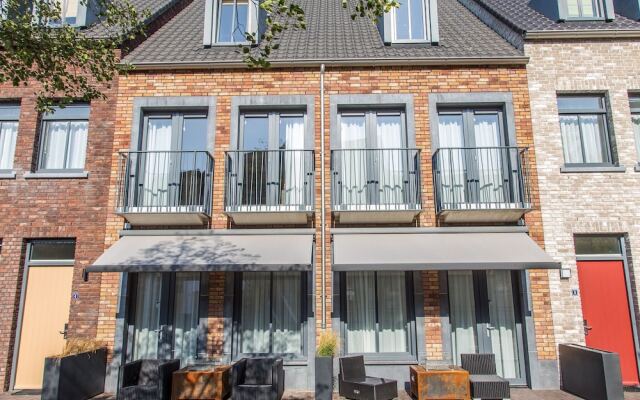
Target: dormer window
point(584, 9)
point(414, 21)
point(228, 21)
point(73, 13)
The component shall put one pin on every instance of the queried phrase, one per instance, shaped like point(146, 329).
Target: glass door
point(485, 317)
point(164, 316)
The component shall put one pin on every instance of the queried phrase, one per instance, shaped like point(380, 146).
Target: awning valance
point(437, 249)
point(242, 251)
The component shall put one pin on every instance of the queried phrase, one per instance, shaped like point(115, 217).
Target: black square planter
point(324, 378)
point(76, 377)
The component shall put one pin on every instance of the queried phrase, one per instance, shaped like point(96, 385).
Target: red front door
point(605, 309)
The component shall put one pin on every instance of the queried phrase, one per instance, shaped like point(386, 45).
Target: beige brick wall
point(583, 202)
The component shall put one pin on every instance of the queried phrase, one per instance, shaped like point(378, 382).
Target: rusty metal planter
point(439, 384)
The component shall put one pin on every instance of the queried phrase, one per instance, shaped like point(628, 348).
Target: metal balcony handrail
point(164, 181)
point(270, 180)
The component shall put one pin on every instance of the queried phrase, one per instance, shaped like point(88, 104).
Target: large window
point(635, 119)
point(584, 8)
point(63, 143)
point(270, 313)
point(233, 20)
point(378, 312)
point(585, 135)
point(409, 21)
point(9, 115)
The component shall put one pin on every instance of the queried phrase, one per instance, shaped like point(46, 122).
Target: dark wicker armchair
point(147, 380)
point(257, 379)
point(485, 383)
point(355, 384)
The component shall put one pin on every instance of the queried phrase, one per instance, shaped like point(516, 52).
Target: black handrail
point(164, 182)
point(481, 178)
point(375, 179)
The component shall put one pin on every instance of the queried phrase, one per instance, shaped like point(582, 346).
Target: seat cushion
point(259, 371)
point(254, 392)
point(140, 392)
point(149, 373)
point(489, 387)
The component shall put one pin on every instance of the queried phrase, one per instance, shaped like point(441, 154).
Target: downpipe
point(323, 224)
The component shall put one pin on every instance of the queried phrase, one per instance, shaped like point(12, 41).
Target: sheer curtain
point(287, 335)
point(8, 137)
point(489, 159)
point(452, 167)
point(185, 324)
point(147, 316)
point(361, 313)
point(462, 313)
point(292, 128)
point(55, 144)
point(256, 305)
point(353, 160)
point(636, 129)
point(156, 163)
point(592, 130)
point(502, 317)
point(392, 312)
point(569, 126)
point(390, 159)
point(77, 144)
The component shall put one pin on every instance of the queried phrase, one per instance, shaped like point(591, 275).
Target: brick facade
point(53, 209)
point(574, 203)
point(417, 81)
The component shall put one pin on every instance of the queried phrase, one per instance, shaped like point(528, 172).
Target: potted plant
point(78, 373)
point(326, 351)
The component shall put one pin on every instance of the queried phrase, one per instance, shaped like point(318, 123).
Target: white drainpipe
point(323, 225)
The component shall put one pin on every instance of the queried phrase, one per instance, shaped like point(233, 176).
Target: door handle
point(587, 327)
point(65, 331)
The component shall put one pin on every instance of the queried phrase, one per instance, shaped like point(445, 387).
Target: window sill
point(590, 169)
point(56, 175)
point(8, 175)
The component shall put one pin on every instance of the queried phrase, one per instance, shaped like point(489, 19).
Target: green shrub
point(327, 344)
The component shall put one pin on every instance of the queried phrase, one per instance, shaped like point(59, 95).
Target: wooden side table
point(447, 383)
point(201, 383)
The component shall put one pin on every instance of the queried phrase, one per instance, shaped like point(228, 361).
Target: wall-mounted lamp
point(565, 273)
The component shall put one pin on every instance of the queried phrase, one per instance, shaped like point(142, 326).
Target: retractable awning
point(291, 250)
point(437, 249)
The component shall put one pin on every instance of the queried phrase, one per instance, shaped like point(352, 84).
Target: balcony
point(373, 186)
point(270, 186)
point(481, 185)
point(164, 187)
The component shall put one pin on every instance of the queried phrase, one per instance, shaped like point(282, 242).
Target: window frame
point(598, 5)
point(236, 336)
point(72, 113)
point(635, 113)
point(80, 18)
point(412, 354)
point(212, 25)
point(425, 23)
point(605, 136)
point(10, 113)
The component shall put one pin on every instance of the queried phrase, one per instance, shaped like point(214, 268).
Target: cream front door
point(45, 314)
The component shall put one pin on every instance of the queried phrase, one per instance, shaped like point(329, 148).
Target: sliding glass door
point(485, 317)
point(164, 316)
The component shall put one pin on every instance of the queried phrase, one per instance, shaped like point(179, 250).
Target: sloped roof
point(154, 7)
point(331, 35)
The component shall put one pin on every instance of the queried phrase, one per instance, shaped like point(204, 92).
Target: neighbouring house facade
point(377, 182)
point(583, 74)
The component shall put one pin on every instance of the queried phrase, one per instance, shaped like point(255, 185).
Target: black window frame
point(606, 137)
point(634, 105)
point(409, 356)
point(236, 335)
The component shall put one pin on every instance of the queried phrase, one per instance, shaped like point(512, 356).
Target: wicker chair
point(355, 384)
point(147, 380)
point(485, 383)
point(257, 379)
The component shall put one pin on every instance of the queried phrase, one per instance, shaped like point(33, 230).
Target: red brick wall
point(53, 208)
point(419, 81)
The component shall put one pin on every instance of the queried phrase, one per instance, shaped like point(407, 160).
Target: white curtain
point(185, 324)
point(8, 137)
point(391, 160)
point(77, 144)
point(256, 298)
point(286, 297)
point(569, 126)
point(502, 318)
point(636, 129)
point(392, 312)
point(293, 189)
point(592, 130)
point(489, 159)
point(361, 313)
point(462, 313)
point(55, 144)
point(354, 162)
point(452, 164)
point(147, 316)
point(156, 163)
